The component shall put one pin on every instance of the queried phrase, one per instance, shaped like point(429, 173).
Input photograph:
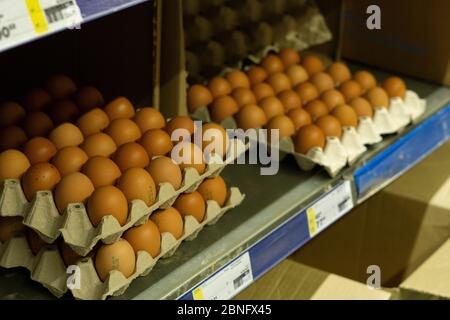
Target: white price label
point(24, 20)
point(228, 282)
point(331, 207)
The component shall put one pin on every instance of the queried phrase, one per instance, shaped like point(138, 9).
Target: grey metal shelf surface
point(272, 218)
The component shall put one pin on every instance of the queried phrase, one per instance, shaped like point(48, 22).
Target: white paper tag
point(228, 282)
point(330, 208)
point(24, 20)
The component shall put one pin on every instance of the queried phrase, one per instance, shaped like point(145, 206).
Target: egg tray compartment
point(47, 267)
point(92, 288)
point(42, 216)
point(339, 153)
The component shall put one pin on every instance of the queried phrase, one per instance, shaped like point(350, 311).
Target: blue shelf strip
point(92, 9)
point(404, 153)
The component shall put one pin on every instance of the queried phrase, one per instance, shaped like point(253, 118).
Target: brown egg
point(40, 177)
point(69, 256)
point(36, 100)
point(251, 116)
point(214, 189)
point(12, 137)
point(346, 116)
point(214, 139)
point(330, 126)
point(37, 124)
point(290, 100)
point(394, 87)
point(165, 170)
point(332, 98)
point(243, 96)
point(88, 98)
point(60, 86)
point(9, 226)
point(272, 64)
point(284, 124)
point(198, 96)
point(308, 137)
point(69, 160)
point(316, 108)
point(222, 108)
point(107, 201)
point(99, 144)
point(362, 107)
point(297, 74)
point(73, 188)
point(138, 184)
point(238, 79)
point(13, 164)
point(34, 241)
point(39, 149)
point(93, 122)
point(350, 89)
point(219, 86)
point(299, 118)
point(66, 135)
point(149, 118)
point(117, 256)
point(189, 155)
point(377, 97)
point(256, 74)
point(119, 108)
point(156, 143)
point(307, 91)
point(131, 155)
point(123, 131)
point(11, 113)
point(63, 110)
point(263, 90)
point(289, 57)
point(279, 82)
point(365, 79)
point(323, 81)
point(170, 221)
point(312, 64)
point(191, 204)
point(339, 72)
point(180, 122)
point(101, 171)
point(145, 238)
point(272, 107)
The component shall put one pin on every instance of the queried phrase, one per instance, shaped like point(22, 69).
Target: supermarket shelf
point(90, 10)
point(276, 219)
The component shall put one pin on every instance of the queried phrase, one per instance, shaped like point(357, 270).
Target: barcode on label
point(56, 13)
point(239, 281)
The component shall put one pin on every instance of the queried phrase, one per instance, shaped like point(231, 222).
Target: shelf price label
point(225, 284)
point(328, 209)
point(24, 20)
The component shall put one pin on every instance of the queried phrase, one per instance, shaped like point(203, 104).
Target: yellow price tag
point(37, 16)
point(312, 224)
point(198, 294)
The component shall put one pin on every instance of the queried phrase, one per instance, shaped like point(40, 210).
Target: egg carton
point(92, 288)
point(339, 153)
point(48, 268)
point(74, 225)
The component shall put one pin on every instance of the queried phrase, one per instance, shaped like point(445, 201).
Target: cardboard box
point(432, 279)
point(413, 38)
point(294, 281)
point(397, 229)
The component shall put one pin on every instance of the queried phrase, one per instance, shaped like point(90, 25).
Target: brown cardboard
point(291, 280)
point(432, 278)
point(412, 40)
point(397, 229)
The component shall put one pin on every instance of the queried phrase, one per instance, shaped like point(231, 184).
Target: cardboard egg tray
point(338, 153)
point(48, 268)
point(75, 226)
